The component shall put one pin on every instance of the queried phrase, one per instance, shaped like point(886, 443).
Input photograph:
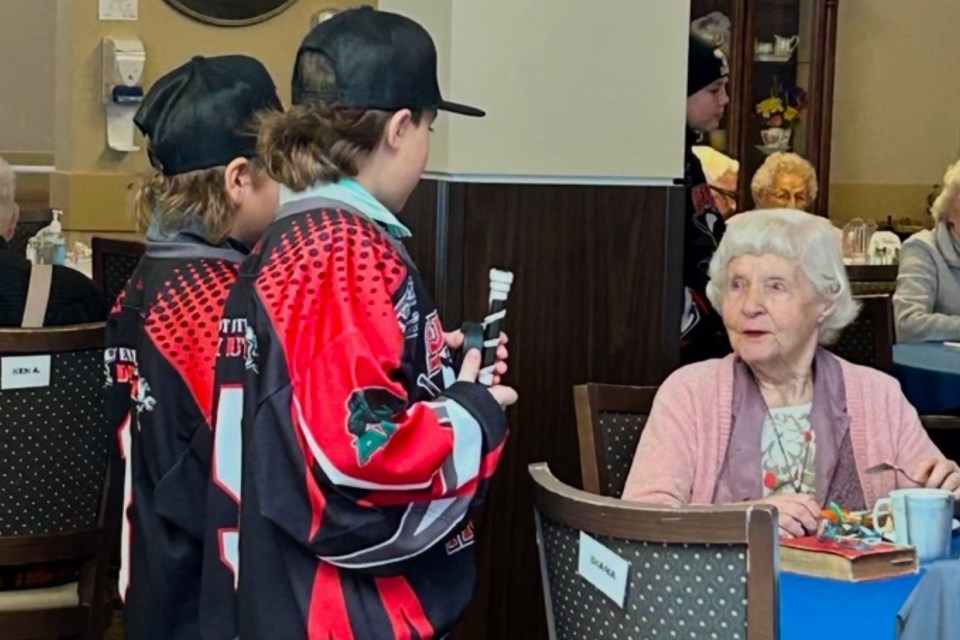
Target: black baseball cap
point(705, 64)
point(379, 60)
point(201, 114)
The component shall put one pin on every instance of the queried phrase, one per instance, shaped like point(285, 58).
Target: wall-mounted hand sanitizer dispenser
point(123, 61)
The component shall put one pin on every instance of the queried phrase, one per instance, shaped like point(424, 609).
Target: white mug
point(785, 46)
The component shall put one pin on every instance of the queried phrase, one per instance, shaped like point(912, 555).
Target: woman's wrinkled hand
point(938, 473)
point(799, 513)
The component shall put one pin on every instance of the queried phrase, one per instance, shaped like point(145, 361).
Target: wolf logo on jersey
point(369, 420)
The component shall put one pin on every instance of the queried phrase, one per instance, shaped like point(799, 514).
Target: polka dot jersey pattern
point(183, 323)
point(364, 267)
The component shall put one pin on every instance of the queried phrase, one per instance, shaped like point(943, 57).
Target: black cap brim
point(462, 109)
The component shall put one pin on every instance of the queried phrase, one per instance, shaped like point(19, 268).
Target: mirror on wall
point(230, 13)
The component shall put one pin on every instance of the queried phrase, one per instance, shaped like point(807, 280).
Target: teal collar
point(350, 192)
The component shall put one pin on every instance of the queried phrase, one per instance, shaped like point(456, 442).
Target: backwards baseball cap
point(379, 60)
point(200, 115)
point(705, 65)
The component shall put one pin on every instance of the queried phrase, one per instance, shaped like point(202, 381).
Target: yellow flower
point(791, 114)
point(770, 106)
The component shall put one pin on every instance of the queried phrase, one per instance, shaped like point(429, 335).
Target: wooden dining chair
point(610, 419)
point(113, 262)
point(56, 503)
point(28, 225)
point(708, 571)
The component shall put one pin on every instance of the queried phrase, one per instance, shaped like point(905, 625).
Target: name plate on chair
point(24, 372)
point(603, 568)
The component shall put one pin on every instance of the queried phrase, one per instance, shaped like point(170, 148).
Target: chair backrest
point(30, 223)
point(869, 339)
point(945, 433)
point(707, 570)
point(879, 287)
point(610, 419)
point(114, 261)
point(55, 469)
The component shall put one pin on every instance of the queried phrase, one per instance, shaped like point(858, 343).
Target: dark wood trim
point(735, 88)
point(671, 298)
point(590, 400)
point(51, 547)
point(36, 215)
point(872, 273)
point(827, 26)
point(752, 525)
point(442, 249)
point(721, 524)
point(43, 623)
point(823, 60)
point(80, 337)
point(763, 562)
point(452, 307)
point(941, 423)
point(589, 447)
point(745, 114)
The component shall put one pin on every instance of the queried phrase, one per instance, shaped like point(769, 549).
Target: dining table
point(929, 374)
point(827, 609)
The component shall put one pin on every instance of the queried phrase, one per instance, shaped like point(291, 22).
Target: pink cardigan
point(685, 440)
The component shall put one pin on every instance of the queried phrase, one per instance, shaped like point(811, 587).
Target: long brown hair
point(176, 202)
point(317, 142)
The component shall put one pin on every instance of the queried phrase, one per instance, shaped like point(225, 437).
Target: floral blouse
point(788, 451)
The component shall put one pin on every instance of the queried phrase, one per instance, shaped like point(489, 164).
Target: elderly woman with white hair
point(784, 181)
point(927, 302)
point(782, 421)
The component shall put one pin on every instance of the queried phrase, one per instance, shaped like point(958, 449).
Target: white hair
point(8, 188)
point(949, 196)
point(715, 164)
point(783, 162)
point(804, 238)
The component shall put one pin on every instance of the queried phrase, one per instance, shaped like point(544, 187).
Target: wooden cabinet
point(777, 49)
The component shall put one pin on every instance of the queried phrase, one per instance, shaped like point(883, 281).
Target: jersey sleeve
point(387, 478)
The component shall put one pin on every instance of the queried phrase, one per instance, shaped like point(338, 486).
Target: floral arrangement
point(783, 107)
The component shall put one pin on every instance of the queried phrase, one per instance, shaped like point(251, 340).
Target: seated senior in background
point(784, 181)
point(781, 421)
point(927, 301)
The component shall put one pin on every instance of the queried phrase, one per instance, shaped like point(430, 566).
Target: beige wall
point(27, 75)
point(91, 183)
point(896, 121)
point(573, 92)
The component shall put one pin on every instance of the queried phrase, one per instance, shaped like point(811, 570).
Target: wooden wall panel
point(596, 299)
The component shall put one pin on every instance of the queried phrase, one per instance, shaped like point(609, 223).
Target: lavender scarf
point(835, 465)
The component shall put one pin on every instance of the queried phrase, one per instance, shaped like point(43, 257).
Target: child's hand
point(505, 396)
point(454, 340)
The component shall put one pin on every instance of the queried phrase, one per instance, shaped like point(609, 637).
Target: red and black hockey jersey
point(361, 457)
point(162, 340)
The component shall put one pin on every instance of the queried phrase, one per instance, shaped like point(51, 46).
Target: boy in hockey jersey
point(205, 200)
point(363, 451)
